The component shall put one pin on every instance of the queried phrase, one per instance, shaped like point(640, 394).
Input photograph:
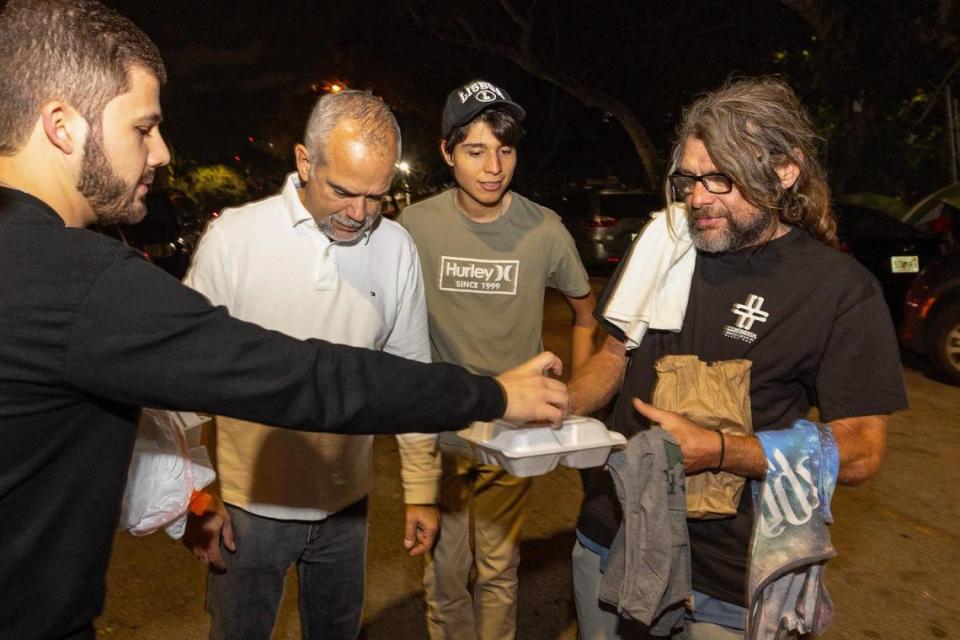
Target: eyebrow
point(351, 194)
point(152, 119)
point(480, 145)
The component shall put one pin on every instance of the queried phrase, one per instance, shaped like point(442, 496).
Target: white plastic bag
point(165, 471)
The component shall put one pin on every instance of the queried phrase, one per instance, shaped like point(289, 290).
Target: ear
point(447, 157)
point(789, 172)
point(64, 127)
point(303, 162)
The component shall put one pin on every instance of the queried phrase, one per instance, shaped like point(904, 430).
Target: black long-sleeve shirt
point(90, 332)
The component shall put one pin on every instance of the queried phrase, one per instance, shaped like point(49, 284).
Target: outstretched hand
point(531, 395)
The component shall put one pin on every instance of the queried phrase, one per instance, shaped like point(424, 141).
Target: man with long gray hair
point(814, 320)
point(314, 261)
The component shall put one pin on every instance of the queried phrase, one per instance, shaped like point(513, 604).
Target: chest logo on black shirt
point(747, 313)
point(474, 275)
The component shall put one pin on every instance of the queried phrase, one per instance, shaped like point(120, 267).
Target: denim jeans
point(330, 558)
point(599, 621)
point(596, 620)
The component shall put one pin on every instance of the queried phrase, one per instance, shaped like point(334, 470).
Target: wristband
point(723, 448)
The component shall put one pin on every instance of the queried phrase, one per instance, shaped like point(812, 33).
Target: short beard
point(735, 237)
point(335, 235)
point(112, 200)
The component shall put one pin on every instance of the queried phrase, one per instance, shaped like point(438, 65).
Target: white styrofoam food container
point(533, 451)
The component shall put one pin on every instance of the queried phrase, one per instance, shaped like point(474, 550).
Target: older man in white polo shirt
point(314, 261)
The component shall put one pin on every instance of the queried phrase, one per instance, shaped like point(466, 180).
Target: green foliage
point(212, 187)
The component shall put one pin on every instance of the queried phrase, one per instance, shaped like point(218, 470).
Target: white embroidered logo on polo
point(748, 313)
point(475, 275)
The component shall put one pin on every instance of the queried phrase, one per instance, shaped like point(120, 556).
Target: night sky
point(252, 69)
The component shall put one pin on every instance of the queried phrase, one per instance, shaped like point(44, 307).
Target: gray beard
point(734, 238)
point(327, 228)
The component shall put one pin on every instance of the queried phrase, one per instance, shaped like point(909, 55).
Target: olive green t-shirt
point(485, 282)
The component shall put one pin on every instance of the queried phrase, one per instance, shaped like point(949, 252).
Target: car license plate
point(904, 264)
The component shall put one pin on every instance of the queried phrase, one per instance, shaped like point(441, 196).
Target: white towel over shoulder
point(653, 286)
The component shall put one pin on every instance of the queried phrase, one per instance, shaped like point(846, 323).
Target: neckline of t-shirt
point(491, 225)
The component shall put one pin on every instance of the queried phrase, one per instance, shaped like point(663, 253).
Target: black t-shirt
point(89, 332)
point(815, 326)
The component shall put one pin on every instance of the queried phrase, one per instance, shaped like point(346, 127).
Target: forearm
point(581, 345)
point(742, 455)
point(593, 385)
point(584, 329)
point(419, 467)
point(860, 441)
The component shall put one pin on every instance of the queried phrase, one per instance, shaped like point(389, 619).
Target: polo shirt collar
point(291, 200)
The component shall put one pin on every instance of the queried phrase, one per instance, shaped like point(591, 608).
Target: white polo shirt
point(268, 263)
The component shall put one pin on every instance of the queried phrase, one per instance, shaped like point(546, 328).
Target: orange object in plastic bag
point(199, 501)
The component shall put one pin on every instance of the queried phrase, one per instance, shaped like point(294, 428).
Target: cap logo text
point(481, 91)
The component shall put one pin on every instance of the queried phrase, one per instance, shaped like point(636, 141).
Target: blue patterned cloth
point(791, 541)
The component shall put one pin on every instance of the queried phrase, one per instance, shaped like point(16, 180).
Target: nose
point(493, 164)
point(159, 154)
point(700, 196)
point(357, 209)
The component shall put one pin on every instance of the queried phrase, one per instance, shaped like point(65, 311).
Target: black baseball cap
point(465, 103)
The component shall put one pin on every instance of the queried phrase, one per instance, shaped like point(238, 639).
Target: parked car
point(931, 324)
point(893, 251)
point(938, 213)
point(603, 222)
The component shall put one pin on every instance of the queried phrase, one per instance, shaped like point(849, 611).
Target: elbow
point(858, 471)
point(862, 443)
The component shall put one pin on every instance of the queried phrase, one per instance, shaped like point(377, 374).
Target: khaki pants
point(497, 502)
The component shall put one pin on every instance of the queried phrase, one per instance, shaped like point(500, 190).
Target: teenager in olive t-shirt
point(487, 256)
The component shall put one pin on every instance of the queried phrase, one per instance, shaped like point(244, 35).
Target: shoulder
point(249, 218)
point(392, 234)
point(544, 221)
point(548, 215)
point(90, 258)
point(835, 270)
point(438, 204)
point(94, 248)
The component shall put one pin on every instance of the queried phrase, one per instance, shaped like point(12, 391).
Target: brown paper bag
point(714, 395)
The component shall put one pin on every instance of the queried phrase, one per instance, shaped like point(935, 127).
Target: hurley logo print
point(474, 275)
point(747, 313)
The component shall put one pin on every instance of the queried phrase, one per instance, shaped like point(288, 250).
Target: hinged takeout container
point(533, 451)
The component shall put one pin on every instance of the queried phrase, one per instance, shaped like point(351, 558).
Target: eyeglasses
point(718, 183)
